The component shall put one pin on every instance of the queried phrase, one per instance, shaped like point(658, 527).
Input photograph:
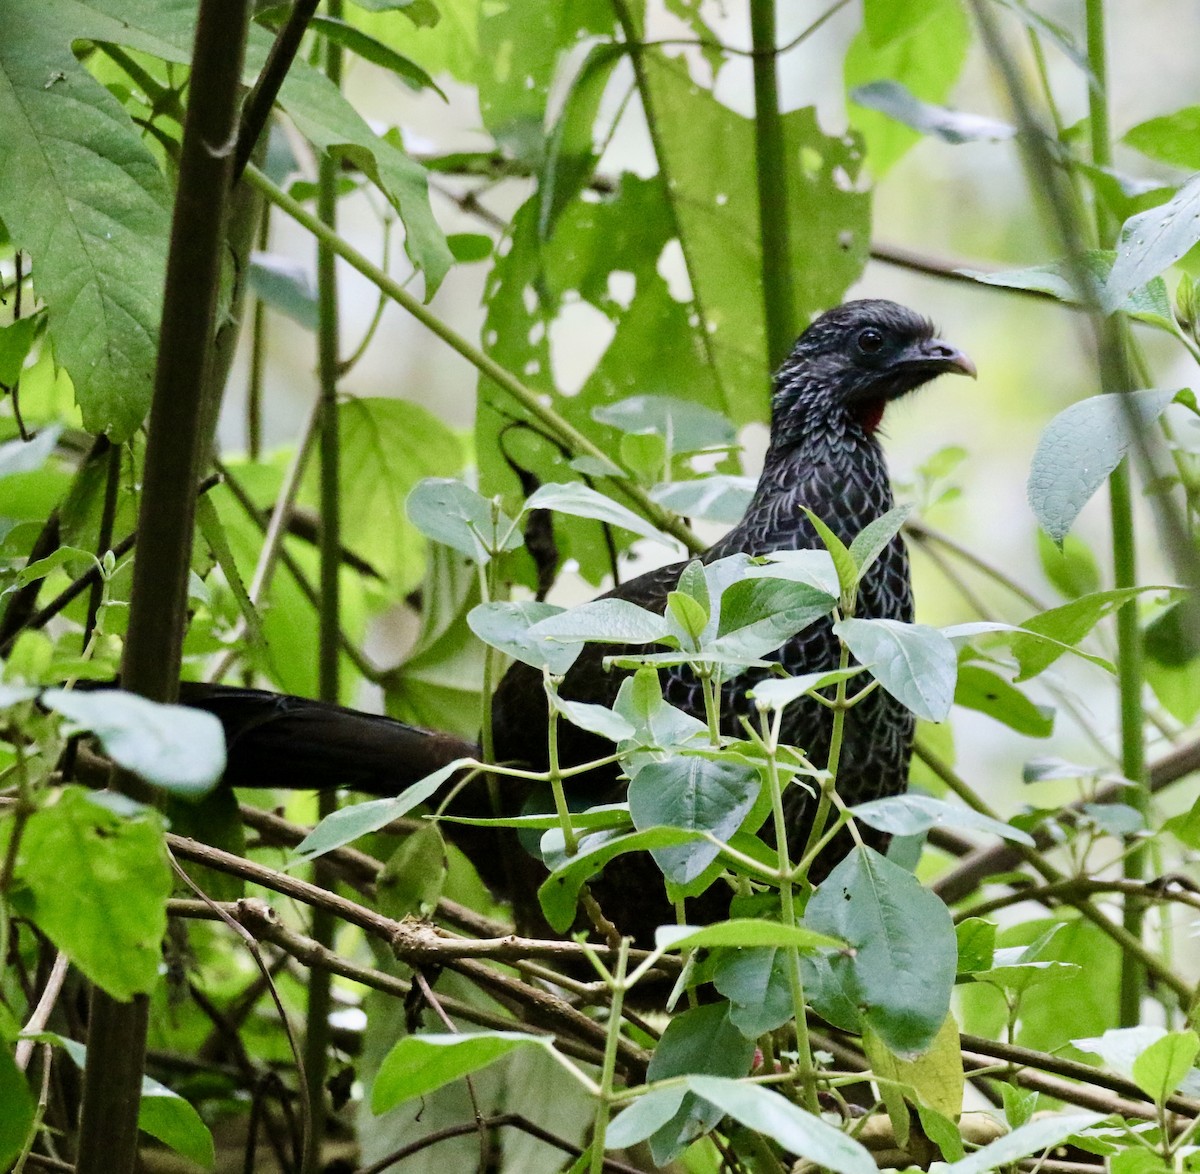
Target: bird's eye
point(870, 341)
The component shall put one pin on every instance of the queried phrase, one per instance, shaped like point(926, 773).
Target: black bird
point(824, 454)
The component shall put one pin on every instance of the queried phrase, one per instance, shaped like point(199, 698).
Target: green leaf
point(1173, 138)
point(582, 502)
point(387, 446)
point(349, 823)
point(560, 891)
point(936, 1076)
point(951, 126)
point(644, 1116)
point(97, 229)
point(1152, 241)
point(721, 497)
point(167, 1117)
point(686, 426)
point(987, 692)
point(468, 247)
point(760, 614)
point(451, 512)
point(901, 969)
point(701, 1040)
point(913, 815)
point(413, 876)
point(1032, 1138)
point(916, 664)
point(598, 719)
point(1148, 302)
point(847, 571)
point(976, 944)
point(756, 983)
point(696, 794)
point(925, 55)
point(797, 1131)
point(17, 1101)
point(285, 285)
point(419, 1064)
point(870, 542)
point(179, 749)
point(743, 932)
point(506, 625)
point(96, 884)
point(613, 621)
point(778, 692)
point(1053, 631)
point(1160, 1069)
point(1070, 565)
point(1120, 1047)
point(1081, 446)
point(339, 32)
point(16, 341)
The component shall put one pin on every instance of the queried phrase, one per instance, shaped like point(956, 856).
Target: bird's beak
point(935, 357)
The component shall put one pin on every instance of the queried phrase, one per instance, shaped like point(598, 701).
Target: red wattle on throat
point(870, 414)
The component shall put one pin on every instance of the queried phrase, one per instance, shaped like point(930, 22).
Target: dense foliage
point(1018, 978)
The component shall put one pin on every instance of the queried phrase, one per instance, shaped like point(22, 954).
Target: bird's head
point(853, 360)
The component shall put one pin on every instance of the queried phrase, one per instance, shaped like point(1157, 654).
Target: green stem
point(1129, 647)
point(836, 737)
point(787, 909)
point(555, 776)
point(771, 174)
point(608, 1070)
point(570, 437)
point(317, 1037)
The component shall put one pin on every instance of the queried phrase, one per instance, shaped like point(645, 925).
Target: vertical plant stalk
point(771, 176)
point(157, 612)
point(324, 926)
point(1129, 642)
point(619, 985)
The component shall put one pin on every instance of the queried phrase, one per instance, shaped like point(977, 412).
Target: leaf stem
point(618, 986)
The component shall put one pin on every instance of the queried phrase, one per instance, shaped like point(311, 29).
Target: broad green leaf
point(1065, 626)
point(1148, 302)
point(760, 614)
point(167, 1117)
point(339, 32)
point(847, 571)
point(916, 664)
point(743, 932)
point(870, 542)
point(756, 983)
point(686, 426)
point(599, 719)
point(778, 692)
point(912, 815)
point(359, 819)
point(16, 341)
point(1160, 1069)
point(689, 617)
point(1173, 138)
point(951, 126)
point(17, 1102)
point(507, 626)
point(1031, 1138)
point(987, 692)
point(419, 1064)
point(644, 1116)
point(976, 938)
point(413, 876)
point(97, 229)
point(467, 247)
point(387, 446)
point(1152, 241)
point(179, 749)
point(451, 512)
point(701, 1040)
point(96, 884)
point(1081, 446)
point(560, 890)
point(1120, 1047)
point(696, 794)
point(925, 56)
point(814, 567)
point(721, 497)
point(580, 501)
point(613, 621)
point(797, 1131)
point(285, 285)
point(936, 1076)
point(901, 969)
point(1070, 565)
point(888, 21)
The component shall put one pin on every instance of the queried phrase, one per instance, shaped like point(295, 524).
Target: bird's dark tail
point(296, 744)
